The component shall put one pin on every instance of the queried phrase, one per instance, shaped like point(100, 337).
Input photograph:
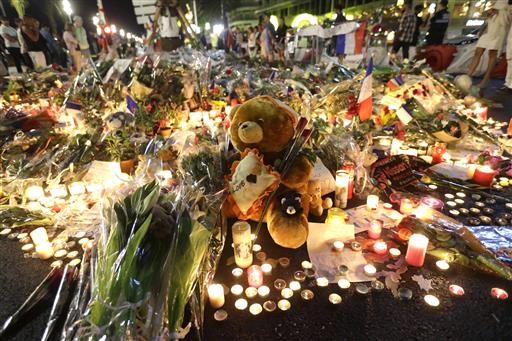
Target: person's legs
point(77, 60)
point(508, 78)
point(475, 61)
point(405, 50)
point(493, 56)
point(16, 55)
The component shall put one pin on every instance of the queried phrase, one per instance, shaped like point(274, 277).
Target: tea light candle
point(416, 250)
point(372, 202)
point(380, 247)
point(375, 229)
point(306, 265)
point(456, 290)
point(255, 309)
point(336, 216)
point(34, 192)
point(406, 206)
point(279, 284)
point(266, 268)
point(287, 293)
point(394, 253)
point(370, 270)
point(341, 190)
point(294, 285)
point(307, 295)
point(423, 212)
point(284, 305)
point(241, 304)
point(431, 300)
point(338, 246)
point(58, 191)
point(76, 188)
point(237, 272)
point(237, 289)
point(335, 298)
point(442, 265)
point(499, 293)
point(255, 276)
point(251, 292)
point(322, 282)
point(433, 203)
point(344, 283)
point(216, 295)
point(44, 250)
point(269, 306)
point(263, 291)
point(256, 248)
point(27, 247)
point(39, 236)
point(484, 176)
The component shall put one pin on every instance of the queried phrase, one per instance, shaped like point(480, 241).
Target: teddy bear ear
point(233, 111)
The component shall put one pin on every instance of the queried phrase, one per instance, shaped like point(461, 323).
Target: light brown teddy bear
point(261, 129)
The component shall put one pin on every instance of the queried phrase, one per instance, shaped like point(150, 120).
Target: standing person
point(507, 87)
point(492, 40)
point(23, 45)
point(281, 37)
point(239, 40)
point(405, 34)
point(36, 44)
point(81, 36)
point(419, 23)
point(251, 42)
point(72, 45)
point(438, 24)
point(267, 40)
point(50, 44)
point(10, 36)
point(340, 19)
point(168, 26)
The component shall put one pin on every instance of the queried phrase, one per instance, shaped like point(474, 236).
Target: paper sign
point(391, 102)
point(103, 172)
point(361, 218)
point(451, 171)
point(320, 239)
point(119, 66)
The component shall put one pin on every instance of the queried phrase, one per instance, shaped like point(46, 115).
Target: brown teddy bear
point(261, 129)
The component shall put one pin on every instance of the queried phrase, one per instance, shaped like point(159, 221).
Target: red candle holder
point(437, 154)
point(484, 176)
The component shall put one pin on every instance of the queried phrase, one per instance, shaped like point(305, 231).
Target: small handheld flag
point(365, 95)
point(131, 105)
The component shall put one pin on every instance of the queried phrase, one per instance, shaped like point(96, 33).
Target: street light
point(113, 28)
point(66, 6)
point(122, 33)
point(207, 26)
point(95, 20)
point(129, 36)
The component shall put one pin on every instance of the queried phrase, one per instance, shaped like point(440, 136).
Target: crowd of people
point(29, 46)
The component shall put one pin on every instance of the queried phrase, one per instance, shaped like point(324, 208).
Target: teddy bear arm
point(298, 175)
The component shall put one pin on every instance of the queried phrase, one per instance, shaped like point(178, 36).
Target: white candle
point(372, 202)
point(44, 250)
point(33, 193)
point(255, 308)
point(431, 300)
point(251, 292)
point(380, 247)
point(216, 295)
point(394, 253)
point(237, 289)
point(287, 293)
point(369, 270)
point(241, 304)
point(294, 285)
point(442, 265)
point(76, 188)
point(322, 282)
point(416, 250)
point(266, 268)
point(39, 236)
point(341, 193)
point(338, 246)
point(263, 291)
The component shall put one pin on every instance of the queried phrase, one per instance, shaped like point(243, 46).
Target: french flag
point(365, 96)
point(351, 43)
point(395, 83)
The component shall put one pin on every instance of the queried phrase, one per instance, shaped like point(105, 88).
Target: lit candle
point(237, 289)
point(372, 202)
point(394, 253)
point(237, 272)
point(241, 304)
point(335, 298)
point(255, 308)
point(76, 188)
point(336, 216)
point(341, 192)
point(499, 293)
point(484, 176)
point(480, 112)
point(287, 293)
point(456, 290)
point(471, 170)
point(442, 265)
point(263, 291)
point(294, 285)
point(375, 229)
point(338, 246)
point(34, 192)
point(380, 247)
point(44, 250)
point(416, 250)
point(266, 268)
point(322, 282)
point(39, 236)
point(284, 305)
point(251, 292)
point(344, 283)
point(216, 295)
point(431, 300)
point(423, 212)
point(433, 203)
point(306, 265)
point(369, 270)
point(255, 276)
point(406, 206)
